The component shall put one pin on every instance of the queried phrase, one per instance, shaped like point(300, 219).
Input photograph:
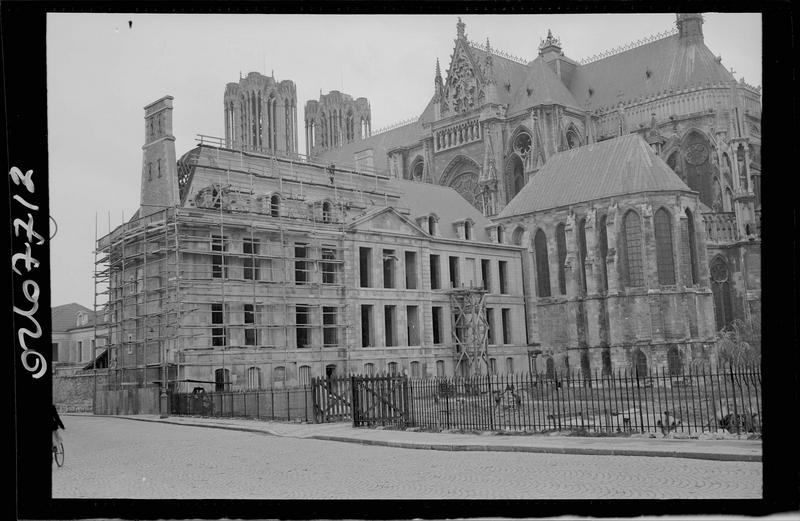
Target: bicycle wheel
point(58, 454)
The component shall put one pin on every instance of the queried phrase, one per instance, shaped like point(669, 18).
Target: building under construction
point(249, 266)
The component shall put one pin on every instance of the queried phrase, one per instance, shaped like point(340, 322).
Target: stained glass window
point(561, 244)
point(665, 259)
point(632, 250)
point(542, 264)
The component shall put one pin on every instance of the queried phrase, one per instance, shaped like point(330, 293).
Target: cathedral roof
point(445, 202)
point(671, 62)
point(506, 72)
point(541, 86)
point(619, 166)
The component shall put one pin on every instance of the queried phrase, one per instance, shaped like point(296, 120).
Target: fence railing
point(701, 400)
point(288, 404)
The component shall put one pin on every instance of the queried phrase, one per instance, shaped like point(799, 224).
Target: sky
point(102, 69)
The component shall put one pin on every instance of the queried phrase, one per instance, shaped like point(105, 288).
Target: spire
point(438, 84)
point(690, 27)
point(489, 69)
point(460, 26)
point(550, 44)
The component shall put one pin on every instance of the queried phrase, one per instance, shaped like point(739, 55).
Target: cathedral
point(495, 122)
point(537, 216)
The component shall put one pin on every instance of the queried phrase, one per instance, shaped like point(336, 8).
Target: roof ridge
point(396, 124)
point(498, 52)
point(628, 46)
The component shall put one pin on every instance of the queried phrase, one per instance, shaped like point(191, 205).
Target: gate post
point(313, 399)
point(407, 420)
point(354, 408)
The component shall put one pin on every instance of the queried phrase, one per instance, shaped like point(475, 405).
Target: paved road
point(118, 458)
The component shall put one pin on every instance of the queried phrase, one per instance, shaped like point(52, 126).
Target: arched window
point(674, 361)
point(582, 251)
point(392, 367)
point(440, 368)
point(699, 168)
point(602, 240)
point(326, 212)
point(550, 368)
point(721, 289)
point(561, 245)
point(500, 234)
point(728, 201)
point(509, 365)
point(515, 176)
point(665, 260)
point(275, 205)
point(415, 369)
point(542, 264)
point(279, 375)
point(467, 230)
point(516, 237)
point(692, 248)
point(369, 369)
point(633, 265)
point(254, 378)
point(222, 378)
point(305, 375)
point(639, 363)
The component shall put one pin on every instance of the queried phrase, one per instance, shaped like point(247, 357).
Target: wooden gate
point(332, 399)
point(380, 400)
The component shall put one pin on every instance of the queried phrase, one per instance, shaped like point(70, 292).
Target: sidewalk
point(720, 450)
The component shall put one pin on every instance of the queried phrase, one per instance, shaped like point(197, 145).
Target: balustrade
point(457, 135)
point(721, 227)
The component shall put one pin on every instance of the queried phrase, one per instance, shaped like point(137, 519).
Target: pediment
point(387, 220)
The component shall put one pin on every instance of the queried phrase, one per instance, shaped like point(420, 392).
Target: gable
point(386, 220)
point(463, 89)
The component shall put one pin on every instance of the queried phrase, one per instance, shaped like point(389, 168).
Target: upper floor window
point(542, 264)
point(561, 244)
point(467, 230)
point(692, 247)
point(632, 257)
point(665, 261)
point(582, 251)
point(602, 239)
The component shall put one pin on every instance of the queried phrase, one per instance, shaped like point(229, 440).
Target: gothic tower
point(334, 120)
point(261, 115)
point(159, 169)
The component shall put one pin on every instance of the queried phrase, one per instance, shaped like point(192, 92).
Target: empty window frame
point(490, 327)
point(302, 325)
point(412, 325)
point(389, 264)
point(329, 269)
point(219, 243)
point(279, 375)
point(252, 265)
point(542, 264)
point(505, 314)
point(486, 274)
point(302, 273)
point(437, 324)
point(436, 281)
point(366, 326)
point(493, 366)
point(250, 329)
point(411, 269)
point(222, 378)
point(218, 331)
point(503, 274)
point(454, 275)
point(390, 325)
point(330, 326)
point(365, 266)
point(275, 205)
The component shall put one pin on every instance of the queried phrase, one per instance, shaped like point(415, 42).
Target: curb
point(581, 451)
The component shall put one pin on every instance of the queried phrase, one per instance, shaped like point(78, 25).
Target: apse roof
point(619, 166)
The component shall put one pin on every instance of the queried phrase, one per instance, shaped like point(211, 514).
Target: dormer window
point(432, 225)
point(500, 234)
point(467, 230)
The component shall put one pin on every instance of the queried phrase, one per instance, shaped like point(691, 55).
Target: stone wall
point(76, 393)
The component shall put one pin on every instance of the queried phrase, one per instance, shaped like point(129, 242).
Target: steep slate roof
point(672, 62)
point(546, 89)
point(623, 165)
point(505, 71)
point(445, 202)
point(64, 317)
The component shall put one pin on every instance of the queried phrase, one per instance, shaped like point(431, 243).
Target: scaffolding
point(470, 330)
point(248, 264)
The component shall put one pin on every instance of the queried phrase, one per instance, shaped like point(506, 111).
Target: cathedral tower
point(261, 115)
point(334, 120)
point(159, 170)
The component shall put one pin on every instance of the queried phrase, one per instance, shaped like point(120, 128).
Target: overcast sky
point(101, 72)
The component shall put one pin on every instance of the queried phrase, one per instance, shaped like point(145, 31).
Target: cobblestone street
point(118, 458)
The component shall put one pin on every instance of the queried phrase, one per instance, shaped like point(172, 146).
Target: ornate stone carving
point(462, 85)
point(467, 185)
point(697, 154)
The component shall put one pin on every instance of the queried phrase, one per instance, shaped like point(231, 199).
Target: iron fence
point(289, 404)
point(703, 399)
